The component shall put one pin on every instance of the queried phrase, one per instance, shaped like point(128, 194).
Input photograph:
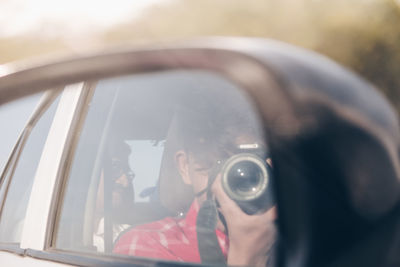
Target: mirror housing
point(333, 137)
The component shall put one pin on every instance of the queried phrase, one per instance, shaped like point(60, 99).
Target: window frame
point(82, 108)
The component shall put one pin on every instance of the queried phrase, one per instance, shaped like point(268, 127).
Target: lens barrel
point(246, 178)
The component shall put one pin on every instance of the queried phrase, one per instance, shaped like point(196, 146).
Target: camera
point(247, 179)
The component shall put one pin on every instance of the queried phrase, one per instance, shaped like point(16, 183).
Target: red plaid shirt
point(169, 239)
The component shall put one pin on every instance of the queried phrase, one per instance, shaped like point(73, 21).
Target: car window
point(15, 115)
point(147, 146)
point(21, 177)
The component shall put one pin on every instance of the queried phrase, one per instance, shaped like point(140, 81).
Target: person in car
point(122, 194)
point(210, 131)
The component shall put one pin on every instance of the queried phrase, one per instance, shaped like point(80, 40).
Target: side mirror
point(333, 139)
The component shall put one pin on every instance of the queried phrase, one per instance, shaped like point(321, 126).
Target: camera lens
point(245, 178)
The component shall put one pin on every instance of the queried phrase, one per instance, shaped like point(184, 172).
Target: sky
point(67, 17)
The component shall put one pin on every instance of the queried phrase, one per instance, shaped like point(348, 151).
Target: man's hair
point(118, 148)
point(209, 121)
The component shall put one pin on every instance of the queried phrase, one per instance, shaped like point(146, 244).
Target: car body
point(333, 139)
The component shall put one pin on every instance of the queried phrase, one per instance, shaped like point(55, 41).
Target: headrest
point(175, 195)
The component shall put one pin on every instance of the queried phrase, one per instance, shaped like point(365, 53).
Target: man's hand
point(250, 236)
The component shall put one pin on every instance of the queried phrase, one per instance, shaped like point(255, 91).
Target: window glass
point(145, 161)
point(150, 151)
point(16, 201)
point(15, 115)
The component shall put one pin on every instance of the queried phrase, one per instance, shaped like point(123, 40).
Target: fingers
point(227, 205)
point(271, 214)
point(229, 208)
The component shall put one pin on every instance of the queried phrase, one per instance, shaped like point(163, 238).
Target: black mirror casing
point(333, 138)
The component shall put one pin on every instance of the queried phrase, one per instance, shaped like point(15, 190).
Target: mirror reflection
point(174, 166)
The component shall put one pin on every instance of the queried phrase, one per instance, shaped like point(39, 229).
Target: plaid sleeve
point(173, 239)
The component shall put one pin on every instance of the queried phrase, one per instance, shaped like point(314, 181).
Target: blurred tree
point(368, 43)
point(364, 35)
point(17, 48)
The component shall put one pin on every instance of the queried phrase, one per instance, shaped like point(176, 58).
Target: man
point(210, 131)
point(120, 178)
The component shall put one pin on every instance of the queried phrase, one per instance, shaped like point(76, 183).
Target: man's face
point(122, 188)
point(196, 172)
point(122, 176)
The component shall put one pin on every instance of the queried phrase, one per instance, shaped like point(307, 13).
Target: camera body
point(247, 179)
